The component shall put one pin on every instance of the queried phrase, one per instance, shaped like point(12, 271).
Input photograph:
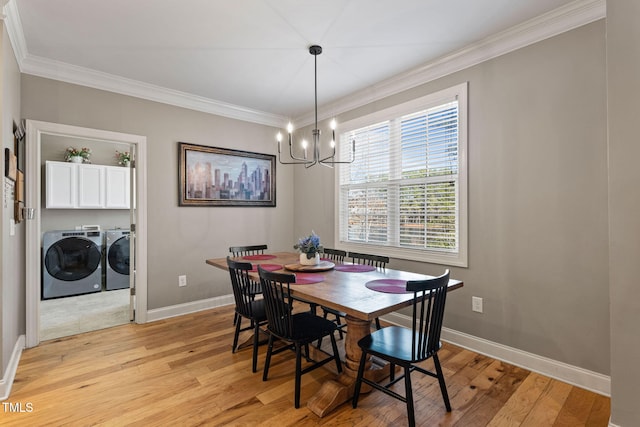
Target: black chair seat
point(308, 327)
point(391, 343)
point(258, 310)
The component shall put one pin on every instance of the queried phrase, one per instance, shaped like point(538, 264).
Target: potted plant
point(76, 155)
point(124, 158)
point(309, 248)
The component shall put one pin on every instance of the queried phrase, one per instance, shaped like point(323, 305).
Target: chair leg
point(378, 327)
point(298, 375)
point(235, 318)
point(443, 386)
point(339, 323)
point(238, 322)
point(356, 390)
point(409, 396)
point(256, 334)
point(336, 355)
point(392, 371)
point(267, 360)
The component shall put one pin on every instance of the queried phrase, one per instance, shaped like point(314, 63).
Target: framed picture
point(10, 164)
point(211, 176)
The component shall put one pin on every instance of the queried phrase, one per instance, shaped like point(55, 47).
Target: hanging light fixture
point(315, 158)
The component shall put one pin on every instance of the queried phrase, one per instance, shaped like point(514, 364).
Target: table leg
point(334, 393)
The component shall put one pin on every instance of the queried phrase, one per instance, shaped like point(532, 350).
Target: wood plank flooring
point(181, 372)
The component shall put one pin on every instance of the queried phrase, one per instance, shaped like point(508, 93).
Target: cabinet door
point(61, 187)
point(90, 186)
point(118, 179)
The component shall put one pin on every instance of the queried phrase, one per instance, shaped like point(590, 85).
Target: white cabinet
point(86, 186)
point(61, 185)
point(91, 186)
point(117, 187)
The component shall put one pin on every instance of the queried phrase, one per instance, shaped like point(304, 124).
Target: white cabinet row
point(86, 186)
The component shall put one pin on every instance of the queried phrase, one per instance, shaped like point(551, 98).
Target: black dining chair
point(406, 347)
point(246, 305)
point(240, 251)
point(298, 330)
point(377, 261)
point(335, 255)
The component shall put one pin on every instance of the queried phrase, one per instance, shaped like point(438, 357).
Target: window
point(405, 195)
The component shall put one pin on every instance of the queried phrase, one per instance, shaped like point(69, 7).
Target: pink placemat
point(308, 278)
point(268, 267)
point(389, 286)
point(354, 268)
point(259, 257)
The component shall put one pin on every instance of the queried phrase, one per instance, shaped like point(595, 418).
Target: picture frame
point(214, 176)
point(10, 164)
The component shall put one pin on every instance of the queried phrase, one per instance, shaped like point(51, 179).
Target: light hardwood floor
point(181, 372)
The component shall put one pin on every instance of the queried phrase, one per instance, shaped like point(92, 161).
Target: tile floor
point(62, 317)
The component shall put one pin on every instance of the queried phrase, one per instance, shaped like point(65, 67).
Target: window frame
point(459, 258)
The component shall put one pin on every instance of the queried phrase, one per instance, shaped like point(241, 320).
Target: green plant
point(123, 157)
point(83, 152)
point(309, 245)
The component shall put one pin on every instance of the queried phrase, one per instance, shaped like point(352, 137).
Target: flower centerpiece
point(124, 158)
point(76, 155)
point(309, 248)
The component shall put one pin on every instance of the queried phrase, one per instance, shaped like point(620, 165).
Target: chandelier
point(315, 158)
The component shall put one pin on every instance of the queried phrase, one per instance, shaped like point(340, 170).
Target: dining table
point(362, 293)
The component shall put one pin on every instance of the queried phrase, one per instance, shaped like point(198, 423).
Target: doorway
point(38, 135)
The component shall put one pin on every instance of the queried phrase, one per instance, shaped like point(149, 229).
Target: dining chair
point(335, 255)
point(377, 261)
point(298, 330)
point(407, 347)
point(240, 251)
point(246, 305)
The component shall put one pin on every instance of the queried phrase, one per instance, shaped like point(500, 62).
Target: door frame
point(33, 198)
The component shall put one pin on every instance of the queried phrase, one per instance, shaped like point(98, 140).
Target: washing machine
point(117, 259)
point(71, 263)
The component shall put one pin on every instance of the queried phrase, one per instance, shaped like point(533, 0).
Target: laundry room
point(85, 225)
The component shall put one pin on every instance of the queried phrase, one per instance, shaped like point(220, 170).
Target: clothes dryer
point(117, 259)
point(71, 263)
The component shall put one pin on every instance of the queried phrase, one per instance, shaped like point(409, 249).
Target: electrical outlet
point(182, 280)
point(476, 304)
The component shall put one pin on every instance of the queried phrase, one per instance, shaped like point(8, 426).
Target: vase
point(126, 163)
point(315, 260)
point(76, 159)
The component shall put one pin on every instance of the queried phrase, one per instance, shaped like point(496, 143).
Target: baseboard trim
point(583, 378)
point(10, 374)
point(188, 307)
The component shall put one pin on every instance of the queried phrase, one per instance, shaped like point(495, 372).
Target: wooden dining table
point(347, 292)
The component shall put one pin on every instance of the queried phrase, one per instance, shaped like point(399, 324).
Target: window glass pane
point(403, 189)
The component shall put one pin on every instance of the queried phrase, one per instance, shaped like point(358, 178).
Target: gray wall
point(12, 267)
point(538, 235)
point(623, 84)
point(180, 238)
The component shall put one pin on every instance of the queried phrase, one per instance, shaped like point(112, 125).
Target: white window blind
point(405, 193)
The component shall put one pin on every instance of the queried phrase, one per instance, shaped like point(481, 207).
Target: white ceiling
point(252, 55)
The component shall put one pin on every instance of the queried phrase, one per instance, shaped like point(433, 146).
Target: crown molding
point(550, 24)
point(61, 71)
point(565, 18)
